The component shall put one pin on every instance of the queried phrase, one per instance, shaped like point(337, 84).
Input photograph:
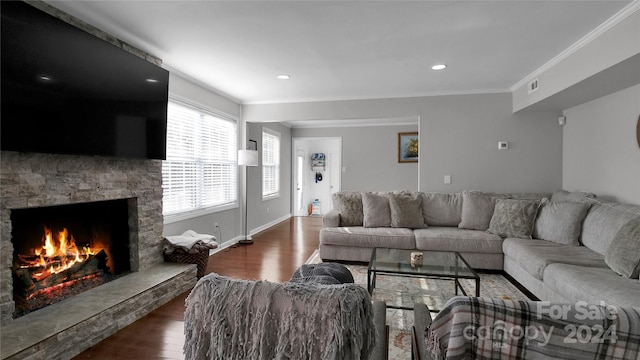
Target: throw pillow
point(406, 211)
point(377, 212)
point(350, 209)
point(623, 255)
point(477, 210)
point(560, 222)
point(514, 218)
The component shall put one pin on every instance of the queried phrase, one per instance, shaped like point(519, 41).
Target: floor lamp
point(247, 158)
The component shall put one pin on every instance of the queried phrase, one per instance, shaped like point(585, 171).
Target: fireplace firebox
point(60, 251)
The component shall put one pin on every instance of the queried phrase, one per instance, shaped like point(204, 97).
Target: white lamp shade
point(248, 157)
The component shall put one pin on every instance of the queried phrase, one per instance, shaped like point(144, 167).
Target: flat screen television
point(65, 91)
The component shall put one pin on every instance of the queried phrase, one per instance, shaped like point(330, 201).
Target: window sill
point(270, 197)
point(186, 215)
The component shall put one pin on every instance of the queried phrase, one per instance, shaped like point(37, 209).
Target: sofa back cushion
point(477, 210)
point(520, 195)
point(602, 223)
point(442, 209)
point(572, 196)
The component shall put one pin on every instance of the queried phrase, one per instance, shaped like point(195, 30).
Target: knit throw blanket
point(241, 319)
point(482, 328)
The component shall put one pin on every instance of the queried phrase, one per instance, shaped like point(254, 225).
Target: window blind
point(201, 166)
point(270, 163)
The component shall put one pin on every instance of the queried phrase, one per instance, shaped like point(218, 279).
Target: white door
point(307, 187)
point(299, 205)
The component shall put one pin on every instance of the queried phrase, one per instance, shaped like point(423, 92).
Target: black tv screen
point(65, 91)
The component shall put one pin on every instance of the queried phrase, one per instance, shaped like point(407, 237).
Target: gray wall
point(262, 214)
point(369, 156)
point(458, 137)
point(601, 153)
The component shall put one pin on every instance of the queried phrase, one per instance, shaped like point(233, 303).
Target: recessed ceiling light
point(283, 77)
point(439, 67)
point(45, 78)
point(150, 80)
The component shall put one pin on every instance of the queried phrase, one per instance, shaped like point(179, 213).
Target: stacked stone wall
point(29, 180)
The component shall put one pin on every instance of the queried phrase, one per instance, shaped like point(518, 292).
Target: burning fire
point(61, 257)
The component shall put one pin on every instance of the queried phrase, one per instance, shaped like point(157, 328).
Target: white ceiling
point(337, 50)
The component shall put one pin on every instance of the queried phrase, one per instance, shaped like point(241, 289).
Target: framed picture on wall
point(408, 147)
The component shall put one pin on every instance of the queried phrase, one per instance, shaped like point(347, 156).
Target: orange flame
point(66, 248)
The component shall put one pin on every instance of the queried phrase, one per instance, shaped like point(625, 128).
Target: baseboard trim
point(270, 224)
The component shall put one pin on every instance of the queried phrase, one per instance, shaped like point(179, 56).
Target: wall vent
point(532, 86)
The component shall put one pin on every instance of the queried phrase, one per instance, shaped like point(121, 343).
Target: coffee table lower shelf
point(371, 284)
point(437, 265)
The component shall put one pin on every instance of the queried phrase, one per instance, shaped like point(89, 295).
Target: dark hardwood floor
point(275, 254)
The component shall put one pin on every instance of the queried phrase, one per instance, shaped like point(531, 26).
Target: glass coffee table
point(393, 278)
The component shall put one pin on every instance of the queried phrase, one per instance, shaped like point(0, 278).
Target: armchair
point(242, 319)
point(482, 328)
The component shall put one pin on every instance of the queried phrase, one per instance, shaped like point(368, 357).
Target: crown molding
point(591, 36)
point(336, 123)
point(201, 84)
point(380, 97)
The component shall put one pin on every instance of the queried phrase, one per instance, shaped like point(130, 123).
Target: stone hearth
point(65, 329)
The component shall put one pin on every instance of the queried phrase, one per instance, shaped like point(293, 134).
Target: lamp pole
point(247, 158)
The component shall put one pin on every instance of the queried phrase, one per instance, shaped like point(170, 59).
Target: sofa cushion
point(593, 285)
point(356, 236)
point(560, 222)
point(623, 255)
point(535, 255)
point(406, 211)
point(442, 209)
point(377, 212)
point(477, 210)
point(602, 223)
point(571, 196)
point(350, 205)
point(454, 239)
point(514, 218)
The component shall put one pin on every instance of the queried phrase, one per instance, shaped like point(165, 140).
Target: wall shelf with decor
point(318, 162)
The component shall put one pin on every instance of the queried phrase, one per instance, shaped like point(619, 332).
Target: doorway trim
point(334, 169)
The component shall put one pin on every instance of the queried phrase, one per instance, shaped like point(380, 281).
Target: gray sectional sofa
point(562, 246)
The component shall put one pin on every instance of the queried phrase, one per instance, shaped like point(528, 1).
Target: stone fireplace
point(33, 182)
point(61, 251)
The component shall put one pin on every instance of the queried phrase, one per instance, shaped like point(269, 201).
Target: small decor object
point(408, 147)
point(416, 258)
point(318, 162)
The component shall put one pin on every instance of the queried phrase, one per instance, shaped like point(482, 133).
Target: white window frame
point(271, 145)
point(224, 158)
